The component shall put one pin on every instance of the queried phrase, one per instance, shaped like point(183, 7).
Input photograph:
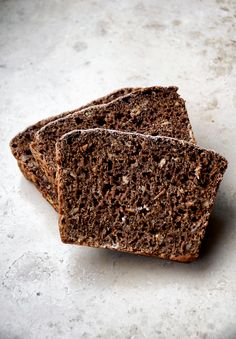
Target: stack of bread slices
point(125, 173)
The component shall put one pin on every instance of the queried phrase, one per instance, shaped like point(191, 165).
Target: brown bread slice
point(154, 111)
point(136, 193)
point(26, 161)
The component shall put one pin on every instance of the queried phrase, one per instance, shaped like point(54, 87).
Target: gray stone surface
point(56, 55)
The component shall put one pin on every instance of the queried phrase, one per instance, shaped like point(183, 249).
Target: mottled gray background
point(56, 55)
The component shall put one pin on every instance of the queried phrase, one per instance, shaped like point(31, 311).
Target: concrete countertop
point(55, 56)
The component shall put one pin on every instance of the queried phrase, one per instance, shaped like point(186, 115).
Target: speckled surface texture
point(57, 56)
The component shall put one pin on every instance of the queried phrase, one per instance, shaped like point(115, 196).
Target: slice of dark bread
point(26, 161)
point(136, 193)
point(153, 110)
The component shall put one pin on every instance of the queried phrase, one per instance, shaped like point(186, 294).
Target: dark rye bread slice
point(153, 110)
point(26, 161)
point(136, 193)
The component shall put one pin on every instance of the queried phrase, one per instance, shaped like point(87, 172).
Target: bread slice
point(136, 193)
point(154, 111)
point(26, 161)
